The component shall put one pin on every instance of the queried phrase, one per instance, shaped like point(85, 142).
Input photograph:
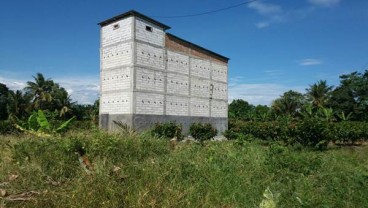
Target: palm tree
point(18, 104)
point(40, 90)
point(319, 93)
point(288, 104)
point(62, 100)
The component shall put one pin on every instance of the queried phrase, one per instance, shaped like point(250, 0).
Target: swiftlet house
point(150, 76)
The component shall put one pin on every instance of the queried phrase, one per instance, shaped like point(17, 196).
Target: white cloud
point(265, 8)
point(310, 62)
point(324, 3)
point(272, 12)
point(13, 84)
point(260, 94)
point(261, 25)
point(84, 90)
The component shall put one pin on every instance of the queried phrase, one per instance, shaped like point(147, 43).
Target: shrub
point(310, 132)
point(202, 132)
point(313, 132)
point(278, 131)
point(350, 132)
point(167, 130)
point(6, 127)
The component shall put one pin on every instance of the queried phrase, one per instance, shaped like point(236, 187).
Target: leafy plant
point(38, 125)
point(126, 129)
point(202, 132)
point(167, 130)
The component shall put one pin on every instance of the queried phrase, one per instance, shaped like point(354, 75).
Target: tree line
point(347, 101)
point(46, 95)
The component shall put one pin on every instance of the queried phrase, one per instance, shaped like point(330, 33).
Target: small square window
point(117, 26)
point(149, 29)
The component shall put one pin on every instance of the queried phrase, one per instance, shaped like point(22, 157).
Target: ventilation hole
point(117, 26)
point(149, 29)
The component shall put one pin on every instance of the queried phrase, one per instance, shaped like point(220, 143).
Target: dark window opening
point(149, 29)
point(117, 26)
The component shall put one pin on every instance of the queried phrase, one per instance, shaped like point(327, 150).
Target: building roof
point(135, 14)
point(165, 27)
point(197, 46)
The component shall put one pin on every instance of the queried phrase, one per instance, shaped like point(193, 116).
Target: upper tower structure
point(150, 76)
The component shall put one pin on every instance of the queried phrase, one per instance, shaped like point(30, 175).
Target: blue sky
point(273, 45)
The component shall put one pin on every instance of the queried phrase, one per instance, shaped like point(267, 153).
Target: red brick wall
point(181, 46)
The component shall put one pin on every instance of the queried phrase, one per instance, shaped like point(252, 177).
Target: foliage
point(167, 130)
point(126, 129)
point(290, 103)
point(242, 110)
point(351, 96)
point(202, 132)
point(144, 172)
point(39, 125)
point(319, 93)
point(3, 101)
point(18, 104)
point(6, 127)
point(310, 132)
point(350, 132)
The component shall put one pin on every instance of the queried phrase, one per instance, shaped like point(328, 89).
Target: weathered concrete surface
point(142, 122)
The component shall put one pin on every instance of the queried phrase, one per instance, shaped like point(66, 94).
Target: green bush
point(202, 132)
point(278, 131)
point(313, 132)
point(167, 130)
point(7, 127)
point(309, 132)
point(350, 132)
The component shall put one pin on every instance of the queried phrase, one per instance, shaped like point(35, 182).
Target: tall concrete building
point(150, 76)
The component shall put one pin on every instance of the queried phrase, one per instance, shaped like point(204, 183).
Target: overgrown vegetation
point(270, 160)
point(167, 130)
point(310, 132)
point(141, 171)
point(202, 132)
point(46, 95)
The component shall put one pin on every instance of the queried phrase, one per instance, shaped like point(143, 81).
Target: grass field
point(142, 171)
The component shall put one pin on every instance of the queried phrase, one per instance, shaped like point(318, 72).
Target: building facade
point(150, 76)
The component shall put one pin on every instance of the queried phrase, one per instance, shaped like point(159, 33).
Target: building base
point(144, 122)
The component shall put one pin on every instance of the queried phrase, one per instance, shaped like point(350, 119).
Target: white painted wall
point(116, 79)
point(200, 87)
point(116, 55)
point(177, 84)
point(177, 106)
point(200, 68)
point(157, 36)
point(219, 72)
point(177, 62)
point(218, 108)
point(150, 56)
point(139, 87)
point(199, 107)
point(149, 103)
point(116, 103)
point(147, 79)
point(111, 35)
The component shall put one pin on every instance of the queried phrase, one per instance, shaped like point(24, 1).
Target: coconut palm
point(40, 90)
point(288, 104)
point(18, 104)
point(62, 101)
point(319, 93)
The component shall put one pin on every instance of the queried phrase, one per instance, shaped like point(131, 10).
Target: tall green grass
point(151, 174)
